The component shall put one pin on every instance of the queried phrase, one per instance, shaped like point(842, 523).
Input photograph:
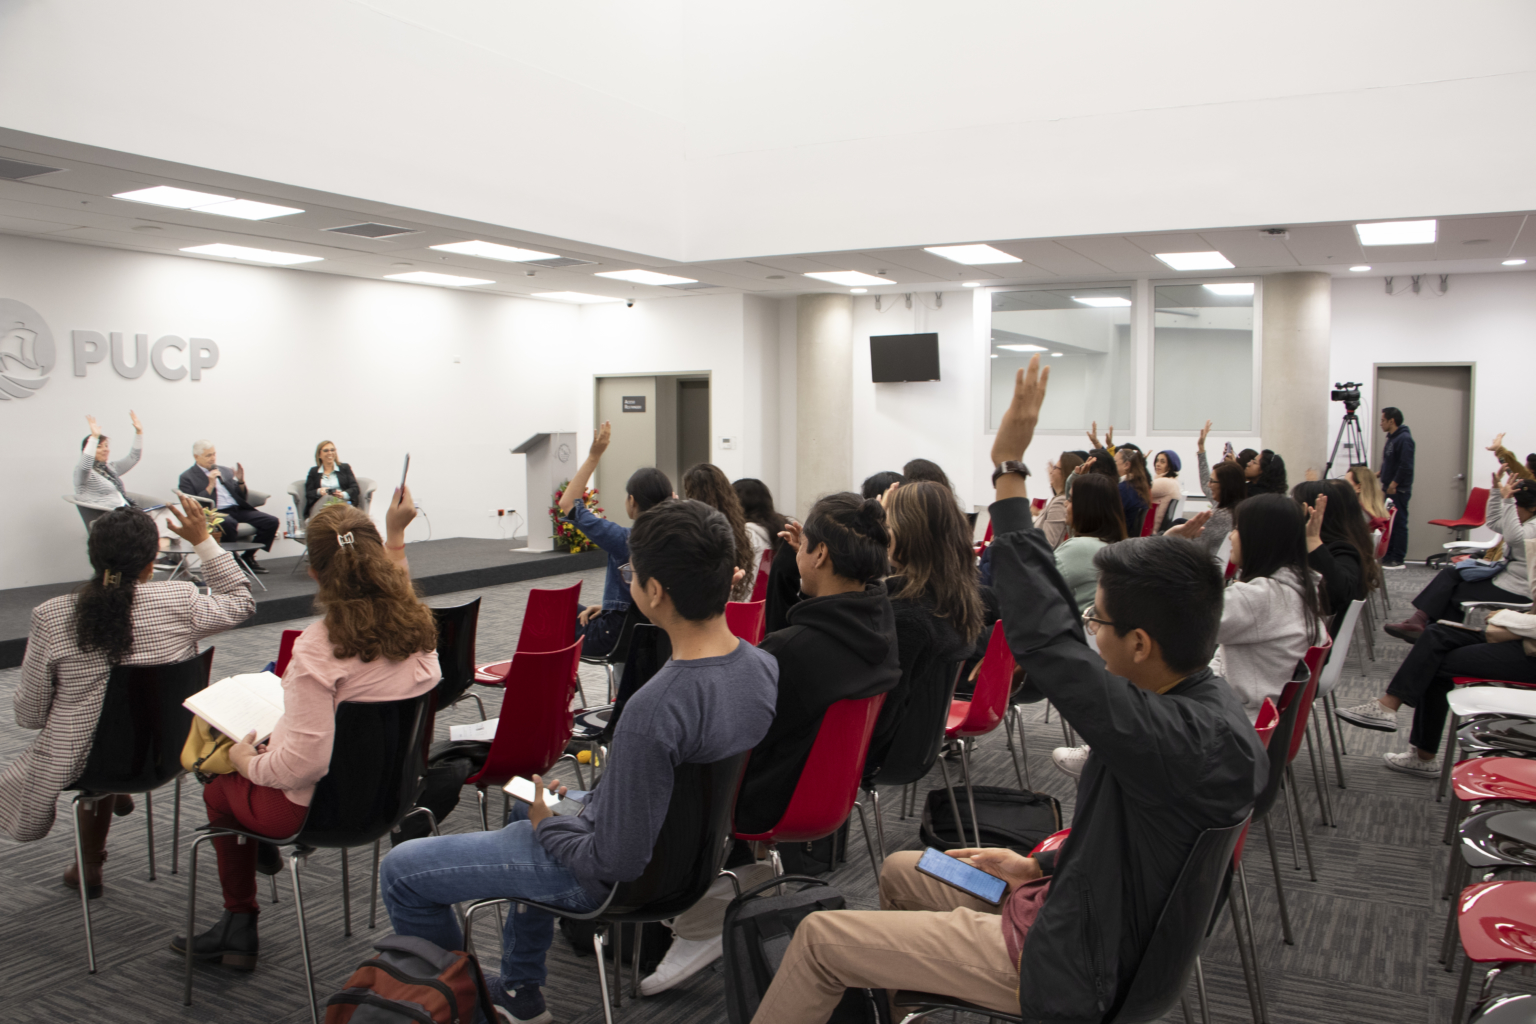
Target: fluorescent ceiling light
point(972, 255)
point(428, 277)
point(1022, 348)
point(1397, 232)
point(206, 202)
point(645, 277)
point(858, 291)
point(1360, 269)
point(241, 252)
point(971, 284)
point(1195, 260)
point(495, 251)
point(1245, 288)
point(1514, 263)
point(994, 355)
point(849, 278)
point(1100, 301)
point(581, 297)
point(1058, 354)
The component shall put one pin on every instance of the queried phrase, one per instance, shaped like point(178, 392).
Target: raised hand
point(1315, 523)
point(91, 421)
point(1109, 437)
point(1498, 442)
point(1200, 444)
point(190, 523)
point(239, 473)
point(138, 424)
point(600, 442)
point(793, 535)
point(1190, 528)
point(1082, 467)
point(1507, 488)
point(1017, 428)
point(1093, 436)
point(402, 509)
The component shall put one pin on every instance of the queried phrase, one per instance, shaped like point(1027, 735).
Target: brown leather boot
point(95, 820)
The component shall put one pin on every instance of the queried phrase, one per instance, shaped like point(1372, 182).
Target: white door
point(1436, 402)
point(629, 403)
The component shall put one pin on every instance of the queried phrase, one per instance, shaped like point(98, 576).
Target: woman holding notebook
point(119, 617)
point(377, 642)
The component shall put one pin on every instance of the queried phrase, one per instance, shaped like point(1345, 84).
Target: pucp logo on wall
point(28, 354)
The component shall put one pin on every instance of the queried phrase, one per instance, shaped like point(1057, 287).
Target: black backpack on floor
point(1015, 818)
point(758, 929)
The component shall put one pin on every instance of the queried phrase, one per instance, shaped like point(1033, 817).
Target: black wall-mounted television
point(895, 358)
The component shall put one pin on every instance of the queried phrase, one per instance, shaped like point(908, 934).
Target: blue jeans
point(423, 878)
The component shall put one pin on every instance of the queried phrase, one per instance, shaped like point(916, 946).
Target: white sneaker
point(684, 959)
point(1071, 759)
point(1410, 763)
point(1370, 715)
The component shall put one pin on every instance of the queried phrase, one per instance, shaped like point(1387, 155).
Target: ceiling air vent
point(371, 230)
point(560, 261)
point(693, 287)
point(15, 170)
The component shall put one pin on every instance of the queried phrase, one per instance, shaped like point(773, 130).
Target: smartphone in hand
point(965, 877)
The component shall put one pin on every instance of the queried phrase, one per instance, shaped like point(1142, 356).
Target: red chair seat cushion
point(958, 710)
point(1494, 778)
point(1497, 921)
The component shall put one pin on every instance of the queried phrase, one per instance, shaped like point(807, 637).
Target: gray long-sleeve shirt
point(690, 712)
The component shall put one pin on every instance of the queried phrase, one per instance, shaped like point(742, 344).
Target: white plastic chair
point(1328, 681)
point(1468, 701)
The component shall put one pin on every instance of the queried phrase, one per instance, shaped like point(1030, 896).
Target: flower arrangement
point(566, 534)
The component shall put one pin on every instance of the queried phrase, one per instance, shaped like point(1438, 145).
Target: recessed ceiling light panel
point(1397, 232)
point(1023, 348)
point(1234, 288)
point(1360, 269)
point(849, 278)
point(428, 277)
point(495, 251)
point(972, 255)
point(646, 277)
point(1514, 263)
point(971, 284)
point(206, 202)
point(248, 209)
point(242, 252)
point(578, 297)
point(1195, 260)
point(1098, 302)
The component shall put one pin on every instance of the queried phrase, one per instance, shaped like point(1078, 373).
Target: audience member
point(1338, 547)
point(1165, 485)
point(1135, 487)
point(1173, 756)
point(1511, 506)
point(708, 483)
point(783, 585)
point(1505, 650)
point(377, 641)
point(1052, 519)
point(118, 617)
point(330, 480)
point(98, 480)
point(1271, 613)
point(1098, 520)
point(938, 608)
point(1520, 469)
point(764, 522)
point(226, 489)
point(1225, 486)
point(1397, 457)
point(921, 469)
point(1363, 479)
point(1245, 458)
point(877, 484)
point(598, 625)
point(1266, 474)
point(712, 700)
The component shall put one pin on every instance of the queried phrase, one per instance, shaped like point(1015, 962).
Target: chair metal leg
point(970, 792)
point(149, 831)
point(1066, 732)
point(1453, 818)
point(75, 806)
point(346, 896)
point(1456, 879)
point(1301, 825)
point(599, 940)
point(1184, 1005)
point(1333, 740)
point(272, 881)
point(1205, 1003)
point(868, 843)
point(954, 805)
point(1012, 751)
point(1459, 1013)
point(1285, 805)
point(176, 826)
point(1018, 719)
point(1274, 862)
point(1448, 755)
point(373, 888)
point(298, 906)
point(617, 936)
point(613, 689)
point(1320, 772)
point(874, 799)
point(485, 818)
point(1253, 942)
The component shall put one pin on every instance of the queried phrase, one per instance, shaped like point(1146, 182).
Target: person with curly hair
point(708, 483)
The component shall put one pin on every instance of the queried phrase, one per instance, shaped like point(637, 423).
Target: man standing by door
point(1397, 481)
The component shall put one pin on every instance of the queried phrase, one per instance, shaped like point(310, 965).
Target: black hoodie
point(839, 647)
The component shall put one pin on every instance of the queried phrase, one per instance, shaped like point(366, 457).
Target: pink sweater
point(299, 753)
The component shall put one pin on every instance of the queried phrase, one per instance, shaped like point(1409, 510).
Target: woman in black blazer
point(330, 479)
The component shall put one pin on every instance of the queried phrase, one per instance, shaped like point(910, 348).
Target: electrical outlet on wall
point(728, 444)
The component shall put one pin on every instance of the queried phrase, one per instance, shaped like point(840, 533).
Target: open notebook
point(240, 704)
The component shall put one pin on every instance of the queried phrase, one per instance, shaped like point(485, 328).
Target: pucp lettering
point(193, 356)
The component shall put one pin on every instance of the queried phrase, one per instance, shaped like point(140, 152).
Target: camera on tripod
point(1348, 393)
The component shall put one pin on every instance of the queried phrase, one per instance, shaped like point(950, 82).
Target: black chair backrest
point(633, 617)
point(456, 649)
point(1279, 744)
point(375, 772)
point(691, 847)
point(143, 726)
point(1163, 974)
point(648, 648)
point(89, 516)
point(919, 736)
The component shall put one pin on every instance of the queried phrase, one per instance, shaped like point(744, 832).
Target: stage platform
point(437, 566)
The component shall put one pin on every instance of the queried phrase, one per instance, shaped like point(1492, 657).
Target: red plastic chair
point(747, 620)
point(285, 649)
point(1035, 505)
point(828, 788)
point(1497, 924)
point(535, 722)
point(978, 716)
point(1472, 517)
point(1453, 723)
point(549, 623)
point(1488, 778)
point(1149, 519)
point(1054, 841)
point(760, 582)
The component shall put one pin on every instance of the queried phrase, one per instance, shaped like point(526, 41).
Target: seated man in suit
point(227, 490)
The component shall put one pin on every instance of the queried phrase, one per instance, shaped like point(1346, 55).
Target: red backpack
point(412, 980)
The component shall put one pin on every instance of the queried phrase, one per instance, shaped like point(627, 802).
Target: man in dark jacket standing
point(1396, 481)
point(1173, 754)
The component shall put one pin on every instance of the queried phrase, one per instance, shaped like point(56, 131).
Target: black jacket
point(343, 476)
point(783, 588)
point(1338, 563)
point(195, 482)
point(836, 648)
point(1164, 768)
point(1397, 462)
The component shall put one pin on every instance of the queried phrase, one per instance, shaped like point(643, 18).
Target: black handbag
point(1015, 818)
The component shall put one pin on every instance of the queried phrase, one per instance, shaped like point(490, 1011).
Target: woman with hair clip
point(1271, 614)
point(1097, 518)
point(936, 594)
point(1135, 487)
point(1362, 479)
point(1338, 546)
point(598, 625)
point(118, 617)
point(1266, 474)
point(708, 483)
point(376, 642)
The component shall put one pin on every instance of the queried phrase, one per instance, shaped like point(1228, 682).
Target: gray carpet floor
point(1367, 931)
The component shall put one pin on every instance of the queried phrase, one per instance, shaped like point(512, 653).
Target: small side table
point(239, 547)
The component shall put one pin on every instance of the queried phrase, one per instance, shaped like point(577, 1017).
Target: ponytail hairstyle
point(121, 544)
point(934, 555)
point(854, 532)
point(649, 487)
point(757, 507)
point(708, 483)
point(371, 609)
point(1272, 529)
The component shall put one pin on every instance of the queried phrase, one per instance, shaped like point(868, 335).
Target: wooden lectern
point(551, 461)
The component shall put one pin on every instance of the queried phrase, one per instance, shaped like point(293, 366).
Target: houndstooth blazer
point(62, 687)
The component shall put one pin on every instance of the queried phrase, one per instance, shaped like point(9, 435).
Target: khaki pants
point(929, 937)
